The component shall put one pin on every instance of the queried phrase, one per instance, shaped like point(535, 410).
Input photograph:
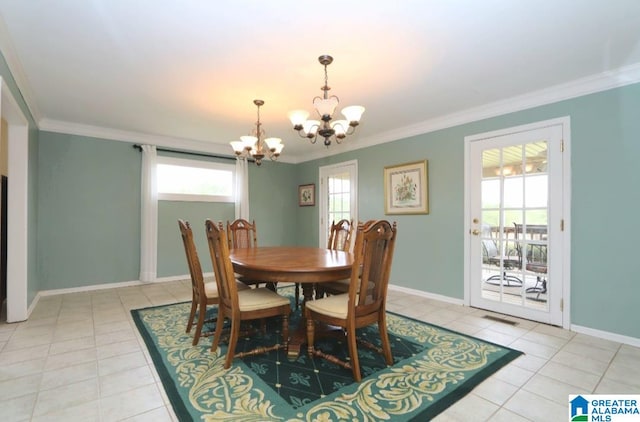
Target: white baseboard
point(426, 295)
point(618, 338)
point(89, 288)
point(605, 335)
point(105, 286)
point(34, 302)
point(108, 286)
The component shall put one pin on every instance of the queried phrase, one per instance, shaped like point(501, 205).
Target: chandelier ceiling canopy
point(255, 145)
point(325, 106)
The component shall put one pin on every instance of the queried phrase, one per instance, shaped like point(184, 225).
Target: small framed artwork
point(307, 195)
point(406, 188)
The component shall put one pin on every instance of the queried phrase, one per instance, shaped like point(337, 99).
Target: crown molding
point(15, 67)
point(584, 86)
point(58, 126)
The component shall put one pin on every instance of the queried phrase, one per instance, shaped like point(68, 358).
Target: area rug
point(433, 368)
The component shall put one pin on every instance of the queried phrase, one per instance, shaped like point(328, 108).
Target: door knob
point(475, 232)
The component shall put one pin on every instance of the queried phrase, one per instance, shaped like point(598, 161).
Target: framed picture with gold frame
point(406, 188)
point(307, 195)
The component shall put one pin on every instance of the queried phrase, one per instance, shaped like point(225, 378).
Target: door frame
point(565, 211)
point(322, 197)
point(17, 207)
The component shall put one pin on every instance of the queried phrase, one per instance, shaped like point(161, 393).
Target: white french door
point(338, 196)
point(517, 208)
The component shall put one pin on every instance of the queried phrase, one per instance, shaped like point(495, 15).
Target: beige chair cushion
point(334, 306)
point(211, 288)
point(254, 299)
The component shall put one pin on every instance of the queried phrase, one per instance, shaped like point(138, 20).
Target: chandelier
point(255, 146)
point(325, 107)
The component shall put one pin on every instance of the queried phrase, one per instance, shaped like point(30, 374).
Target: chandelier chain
point(326, 82)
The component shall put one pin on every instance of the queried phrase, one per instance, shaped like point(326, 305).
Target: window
point(193, 180)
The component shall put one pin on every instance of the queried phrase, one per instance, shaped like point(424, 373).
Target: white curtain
point(149, 215)
point(242, 188)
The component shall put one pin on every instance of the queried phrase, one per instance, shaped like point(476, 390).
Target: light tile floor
point(79, 357)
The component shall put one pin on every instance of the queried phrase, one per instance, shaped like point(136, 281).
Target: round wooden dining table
point(294, 264)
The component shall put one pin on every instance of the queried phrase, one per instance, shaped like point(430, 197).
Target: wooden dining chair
point(339, 240)
point(241, 305)
point(202, 294)
point(243, 234)
point(340, 235)
point(363, 306)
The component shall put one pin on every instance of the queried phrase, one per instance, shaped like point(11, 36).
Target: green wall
point(88, 211)
point(171, 257)
point(605, 197)
point(273, 199)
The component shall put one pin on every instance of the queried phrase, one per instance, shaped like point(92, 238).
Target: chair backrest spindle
point(340, 235)
point(373, 255)
point(222, 267)
point(242, 234)
point(193, 262)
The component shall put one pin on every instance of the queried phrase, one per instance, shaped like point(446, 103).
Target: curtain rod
point(199, 154)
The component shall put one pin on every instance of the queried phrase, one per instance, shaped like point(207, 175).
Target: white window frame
point(198, 164)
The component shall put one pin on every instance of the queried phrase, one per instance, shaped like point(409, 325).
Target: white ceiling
point(188, 70)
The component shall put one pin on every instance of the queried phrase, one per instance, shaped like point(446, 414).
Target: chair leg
point(218, 332)
point(310, 334)
point(273, 286)
point(233, 340)
point(285, 333)
point(353, 354)
point(192, 315)
point(201, 314)
point(384, 337)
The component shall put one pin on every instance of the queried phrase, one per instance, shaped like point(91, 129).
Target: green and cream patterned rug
point(433, 368)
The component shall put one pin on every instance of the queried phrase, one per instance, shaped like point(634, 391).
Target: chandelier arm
point(317, 97)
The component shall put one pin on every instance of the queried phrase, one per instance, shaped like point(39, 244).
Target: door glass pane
point(536, 217)
point(514, 198)
point(536, 191)
point(491, 193)
point(339, 197)
point(536, 157)
point(513, 192)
